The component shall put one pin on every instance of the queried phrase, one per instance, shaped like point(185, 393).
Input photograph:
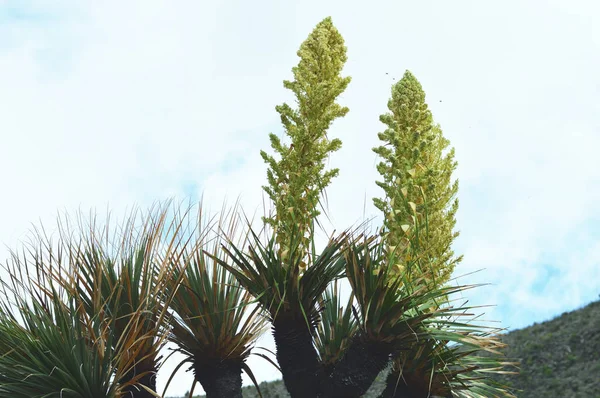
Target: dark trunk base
point(357, 370)
point(220, 379)
point(296, 356)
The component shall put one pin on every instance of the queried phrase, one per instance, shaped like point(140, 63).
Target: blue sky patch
point(22, 11)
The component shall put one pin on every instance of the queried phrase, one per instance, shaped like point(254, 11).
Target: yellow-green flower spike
point(297, 178)
point(420, 198)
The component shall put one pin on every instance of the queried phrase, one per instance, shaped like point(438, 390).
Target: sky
point(116, 104)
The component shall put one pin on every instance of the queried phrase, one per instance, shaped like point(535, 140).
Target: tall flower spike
point(296, 180)
point(420, 198)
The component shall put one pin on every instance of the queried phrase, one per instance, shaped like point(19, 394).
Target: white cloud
point(125, 103)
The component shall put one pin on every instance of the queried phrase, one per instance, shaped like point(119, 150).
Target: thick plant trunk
point(296, 355)
point(220, 379)
point(148, 380)
point(358, 368)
